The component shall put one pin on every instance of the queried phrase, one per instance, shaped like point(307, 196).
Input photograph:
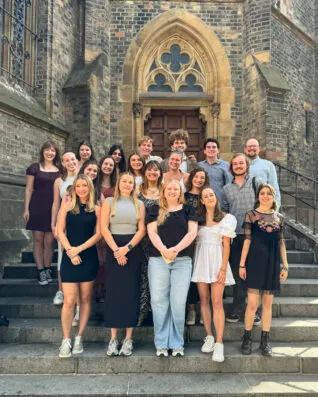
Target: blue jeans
point(169, 286)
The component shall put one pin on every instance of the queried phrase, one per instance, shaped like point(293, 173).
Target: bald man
point(262, 169)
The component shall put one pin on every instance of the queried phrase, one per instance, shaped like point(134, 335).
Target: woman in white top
point(211, 269)
point(174, 173)
point(136, 166)
point(70, 164)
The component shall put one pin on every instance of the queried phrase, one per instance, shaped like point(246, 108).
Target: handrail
point(308, 185)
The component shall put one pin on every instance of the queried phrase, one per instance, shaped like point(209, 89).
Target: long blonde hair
point(75, 203)
point(132, 197)
point(163, 204)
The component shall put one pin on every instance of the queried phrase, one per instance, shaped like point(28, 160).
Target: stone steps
point(43, 359)
point(160, 385)
point(35, 307)
point(36, 331)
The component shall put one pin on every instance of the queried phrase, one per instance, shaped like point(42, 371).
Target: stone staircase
point(29, 346)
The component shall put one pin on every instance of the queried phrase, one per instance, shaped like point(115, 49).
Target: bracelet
point(285, 268)
point(242, 267)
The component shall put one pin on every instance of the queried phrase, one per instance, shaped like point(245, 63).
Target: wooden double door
point(163, 121)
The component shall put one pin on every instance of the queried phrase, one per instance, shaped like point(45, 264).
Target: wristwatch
point(130, 247)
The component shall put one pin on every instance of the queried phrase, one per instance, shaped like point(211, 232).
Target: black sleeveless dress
point(79, 228)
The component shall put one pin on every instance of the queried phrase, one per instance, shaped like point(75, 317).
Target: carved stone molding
point(136, 109)
point(215, 109)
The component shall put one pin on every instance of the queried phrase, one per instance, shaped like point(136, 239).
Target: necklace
point(271, 211)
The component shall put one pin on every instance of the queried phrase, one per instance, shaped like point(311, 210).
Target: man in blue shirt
point(216, 168)
point(262, 169)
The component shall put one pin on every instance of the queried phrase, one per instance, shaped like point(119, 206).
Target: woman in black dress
point(38, 206)
point(78, 232)
point(149, 195)
point(198, 179)
point(262, 252)
point(122, 226)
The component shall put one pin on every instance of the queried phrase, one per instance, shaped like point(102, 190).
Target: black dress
point(79, 228)
point(41, 202)
point(263, 261)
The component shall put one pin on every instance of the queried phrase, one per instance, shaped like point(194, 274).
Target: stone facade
point(91, 62)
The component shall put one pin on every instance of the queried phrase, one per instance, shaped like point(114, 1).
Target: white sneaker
point(178, 352)
point(208, 345)
point(75, 319)
point(65, 349)
point(162, 353)
point(58, 298)
point(126, 348)
point(218, 353)
point(112, 349)
point(78, 345)
point(191, 317)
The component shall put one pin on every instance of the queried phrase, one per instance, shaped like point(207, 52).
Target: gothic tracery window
point(176, 69)
point(18, 37)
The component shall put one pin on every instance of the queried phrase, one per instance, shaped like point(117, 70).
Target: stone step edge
point(207, 385)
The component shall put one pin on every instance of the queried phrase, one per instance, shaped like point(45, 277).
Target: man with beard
point(239, 197)
point(263, 169)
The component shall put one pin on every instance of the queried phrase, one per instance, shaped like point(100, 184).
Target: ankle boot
point(246, 346)
point(265, 347)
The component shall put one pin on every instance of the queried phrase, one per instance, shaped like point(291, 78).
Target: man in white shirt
point(261, 168)
point(145, 148)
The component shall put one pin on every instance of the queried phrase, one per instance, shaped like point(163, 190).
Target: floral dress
point(263, 261)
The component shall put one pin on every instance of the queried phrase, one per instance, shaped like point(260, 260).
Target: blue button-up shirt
point(265, 170)
point(219, 175)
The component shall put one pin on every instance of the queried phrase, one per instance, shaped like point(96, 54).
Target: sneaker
point(126, 348)
point(218, 353)
point(42, 277)
point(178, 352)
point(232, 318)
point(112, 349)
point(191, 317)
point(208, 345)
point(65, 348)
point(75, 319)
point(78, 345)
point(162, 353)
point(48, 273)
point(58, 298)
point(257, 319)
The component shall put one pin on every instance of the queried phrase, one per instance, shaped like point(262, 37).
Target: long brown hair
point(163, 204)
point(273, 193)
point(57, 158)
point(201, 212)
point(193, 173)
point(132, 197)
point(152, 164)
point(130, 169)
point(75, 203)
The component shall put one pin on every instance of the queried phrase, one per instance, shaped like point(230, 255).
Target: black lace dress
point(263, 261)
point(145, 306)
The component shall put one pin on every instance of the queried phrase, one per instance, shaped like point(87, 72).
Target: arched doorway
point(177, 64)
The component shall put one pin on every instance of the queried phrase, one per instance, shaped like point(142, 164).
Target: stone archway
point(214, 103)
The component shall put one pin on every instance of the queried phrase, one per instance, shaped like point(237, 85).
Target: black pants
point(239, 289)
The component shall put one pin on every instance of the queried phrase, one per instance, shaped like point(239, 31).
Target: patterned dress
point(145, 306)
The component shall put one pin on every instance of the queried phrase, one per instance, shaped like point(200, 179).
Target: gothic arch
point(215, 104)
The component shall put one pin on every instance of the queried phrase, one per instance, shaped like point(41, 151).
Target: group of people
point(158, 236)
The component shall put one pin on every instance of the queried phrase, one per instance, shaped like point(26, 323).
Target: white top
point(209, 250)
point(65, 184)
point(138, 180)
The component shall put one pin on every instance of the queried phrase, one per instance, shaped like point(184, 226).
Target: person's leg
point(129, 333)
point(181, 270)
point(193, 299)
point(204, 292)
point(218, 310)
point(252, 305)
point(38, 249)
point(58, 298)
point(85, 296)
point(48, 249)
point(159, 284)
point(267, 303)
point(70, 294)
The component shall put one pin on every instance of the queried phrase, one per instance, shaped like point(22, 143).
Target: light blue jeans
point(169, 286)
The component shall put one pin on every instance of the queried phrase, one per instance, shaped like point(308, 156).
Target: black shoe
point(42, 277)
point(257, 319)
point(264, 346)
point(4, 322)
point(232, 318)
point(48, 273)
point(246, 346)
